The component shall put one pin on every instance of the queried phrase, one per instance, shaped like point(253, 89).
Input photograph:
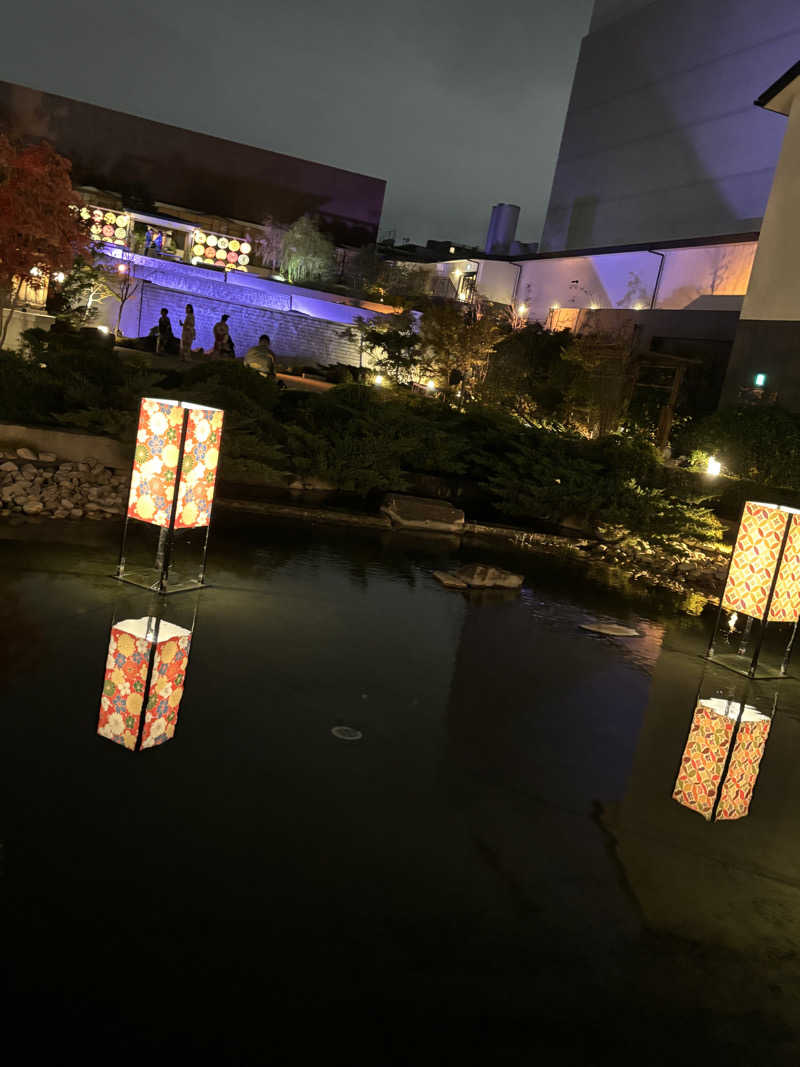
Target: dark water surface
point(494, 873)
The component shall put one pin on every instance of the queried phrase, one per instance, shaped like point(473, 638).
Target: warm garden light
point(60, 277)
point(143, 684)
point(122, 268)
point(103, 329)
point(431, 385)
point(760, 380)
point(379, 379)
point(713, 466)
point(35, 272)
point(522, 309)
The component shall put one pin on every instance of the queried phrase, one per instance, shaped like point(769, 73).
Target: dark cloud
point(457, 105)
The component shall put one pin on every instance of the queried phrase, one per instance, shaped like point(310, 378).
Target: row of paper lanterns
point(106, 225)
point(211, 247)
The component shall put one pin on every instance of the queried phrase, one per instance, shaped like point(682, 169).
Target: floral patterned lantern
point(143, 683)
point(721, 759)
point(174, 473)
point(762, 585)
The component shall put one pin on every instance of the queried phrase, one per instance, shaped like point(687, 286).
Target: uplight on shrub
point(713, 467)
point(431, 385)
point(378, 379)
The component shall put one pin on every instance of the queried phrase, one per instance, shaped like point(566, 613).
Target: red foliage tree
point(40, 230)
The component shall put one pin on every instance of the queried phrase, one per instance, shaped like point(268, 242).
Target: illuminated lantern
point(120, 231)
point(246, 248)
point(85, 213)
point(108, 231)
point(198, 249)
point(97, 215)
point(122, 220)
point(221, 253)
point(233, 245)
point(110, 217)
point(212, 240)
point(232, 257)
point(244, 260)
point(96, 229)
point(199, 237)
point(143, 683)
point(721, 759)
point(209, 252)
point(174, 475)
point(762, 585)
point(222, 242)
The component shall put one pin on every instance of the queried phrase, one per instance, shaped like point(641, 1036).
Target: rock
point(83, 467)
point(76, 513)
point(8, 466)
point(420, 513)
point(92, 506)
point(611, 629)
point(65, 503)
point(25, 453)
point(47, 457)
point(484, 576)
point(60, 513)
point(29, 471)
point(450, 581)
point(32, 507)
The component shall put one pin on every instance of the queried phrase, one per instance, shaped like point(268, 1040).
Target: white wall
point(699, 278)
point(496, 280)
point(774, 291)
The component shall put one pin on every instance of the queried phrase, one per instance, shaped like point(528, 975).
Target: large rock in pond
point(484, 576)
point(419, 513)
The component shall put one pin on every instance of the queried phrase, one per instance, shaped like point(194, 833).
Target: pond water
point(494, 869)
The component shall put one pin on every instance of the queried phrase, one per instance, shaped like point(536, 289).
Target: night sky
point(458, 105)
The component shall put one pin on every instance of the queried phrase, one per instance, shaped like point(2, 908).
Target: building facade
point(661, 140)
point(150, 164)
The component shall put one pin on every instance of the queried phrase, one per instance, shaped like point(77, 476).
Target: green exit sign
point(760, 380)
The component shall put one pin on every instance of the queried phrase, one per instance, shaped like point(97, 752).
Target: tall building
point(661, 141)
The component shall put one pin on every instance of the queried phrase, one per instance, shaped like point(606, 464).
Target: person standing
point(261, 357)
point(164, 332)
point(158, 240)
point(222, 338)
point(187, 333)
point(148, 240)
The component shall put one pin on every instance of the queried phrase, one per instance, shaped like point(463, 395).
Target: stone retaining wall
point(37, 484)
point(293, 334)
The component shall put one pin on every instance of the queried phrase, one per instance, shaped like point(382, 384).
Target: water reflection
point(737, 885)
point(145, 675)
point(723, 752)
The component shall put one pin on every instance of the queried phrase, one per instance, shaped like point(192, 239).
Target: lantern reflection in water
point(144, 679)
point(724, 749)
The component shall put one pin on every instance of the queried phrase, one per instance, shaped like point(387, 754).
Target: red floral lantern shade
point(171, 433)
point(138, 648)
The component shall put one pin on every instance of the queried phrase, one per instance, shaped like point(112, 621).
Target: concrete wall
point(24, 320)
point(66, 445)
point(661, 139)
point(496, 280)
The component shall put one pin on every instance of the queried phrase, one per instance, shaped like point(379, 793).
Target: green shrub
point(756, 443)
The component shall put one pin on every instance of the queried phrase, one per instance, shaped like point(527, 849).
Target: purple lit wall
point(662, 140)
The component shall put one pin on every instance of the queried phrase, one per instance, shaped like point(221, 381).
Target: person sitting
point(261, 357)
